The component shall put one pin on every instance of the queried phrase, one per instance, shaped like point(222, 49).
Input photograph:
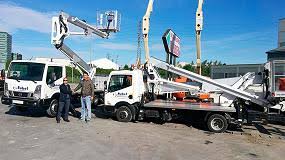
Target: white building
point(105, 63)
point(182, 64)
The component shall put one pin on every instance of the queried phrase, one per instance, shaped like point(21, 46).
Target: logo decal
point(20, 88)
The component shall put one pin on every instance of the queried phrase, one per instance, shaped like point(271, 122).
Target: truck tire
point(52, 109)
point(217, 123)
point(124, 114)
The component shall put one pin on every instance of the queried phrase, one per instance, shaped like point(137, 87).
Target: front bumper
point(26, 101)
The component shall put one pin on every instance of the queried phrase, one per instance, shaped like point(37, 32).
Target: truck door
point(119, 89)
point(54, 79)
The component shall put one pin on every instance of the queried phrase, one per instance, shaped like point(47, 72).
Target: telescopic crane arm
point(145, 29)
point(199, 28)
point(61, 30)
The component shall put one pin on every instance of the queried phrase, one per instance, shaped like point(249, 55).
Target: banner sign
point(171, 43)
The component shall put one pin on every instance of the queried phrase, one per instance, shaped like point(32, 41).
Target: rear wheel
point(124, 114)
point(217, 123)
point(52, 110)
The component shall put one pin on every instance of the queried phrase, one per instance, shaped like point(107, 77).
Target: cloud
point(13, 18)
point(37, 51)
point(237, 37)
point(118, 46)
point(156, 47)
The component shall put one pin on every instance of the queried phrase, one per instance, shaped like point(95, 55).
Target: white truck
point(36, 83)
point(131, 95)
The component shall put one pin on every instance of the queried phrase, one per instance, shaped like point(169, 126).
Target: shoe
point(57, 121)
point(66, 120)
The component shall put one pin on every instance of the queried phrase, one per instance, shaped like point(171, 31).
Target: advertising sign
point(171, 43)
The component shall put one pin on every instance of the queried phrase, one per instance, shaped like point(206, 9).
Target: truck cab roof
point(51, 62)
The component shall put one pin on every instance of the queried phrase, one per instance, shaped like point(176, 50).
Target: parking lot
point(31, 135)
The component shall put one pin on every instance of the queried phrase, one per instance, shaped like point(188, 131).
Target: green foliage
point(189, 67)
point(7, 64)
point(76, 74)
point(162, 73)
point(206, 67)
point(101, 71)
point(126, 67)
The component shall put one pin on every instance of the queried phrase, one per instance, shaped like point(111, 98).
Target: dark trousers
point(63, 106)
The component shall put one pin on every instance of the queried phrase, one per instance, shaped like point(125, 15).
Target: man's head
point(85, 76)
point(65, 80)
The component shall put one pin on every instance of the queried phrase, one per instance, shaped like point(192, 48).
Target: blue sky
point(235, 31)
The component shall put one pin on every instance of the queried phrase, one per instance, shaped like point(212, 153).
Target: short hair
point(85, 73)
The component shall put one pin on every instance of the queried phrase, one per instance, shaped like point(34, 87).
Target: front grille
point(21, 94)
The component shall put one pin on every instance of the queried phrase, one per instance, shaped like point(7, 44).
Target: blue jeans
point(86, 108)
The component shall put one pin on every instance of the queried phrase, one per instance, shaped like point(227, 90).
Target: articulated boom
point(61, 30)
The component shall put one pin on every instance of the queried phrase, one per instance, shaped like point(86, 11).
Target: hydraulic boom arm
point(145, 30)
point(199, 28)
point(61, 30)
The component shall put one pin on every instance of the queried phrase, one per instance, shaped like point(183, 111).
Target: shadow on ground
point(267, 129)
point(27, 112)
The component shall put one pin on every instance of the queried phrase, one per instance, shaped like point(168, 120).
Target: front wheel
point(217, 123)
point(52, 109)
point(124, 114)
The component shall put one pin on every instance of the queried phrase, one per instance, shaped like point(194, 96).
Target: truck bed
point(188, 106)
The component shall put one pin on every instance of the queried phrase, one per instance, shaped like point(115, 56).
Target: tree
point(101, 71)
point(206, 67)
point(126, 67)
point(7, 64)
point(76, 74)
point(189, 67)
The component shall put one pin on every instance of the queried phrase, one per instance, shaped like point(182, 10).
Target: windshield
point(118, 82)
point(26, 71)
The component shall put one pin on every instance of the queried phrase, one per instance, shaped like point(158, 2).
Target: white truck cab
point(124, 87)
point(124, 93)
point(31, 82)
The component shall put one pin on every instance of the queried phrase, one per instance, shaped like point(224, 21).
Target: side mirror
point(105, 85)
point(3, 75)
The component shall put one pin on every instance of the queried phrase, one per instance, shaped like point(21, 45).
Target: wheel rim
point(217, 124)
point(123, 114)
point(53, 108)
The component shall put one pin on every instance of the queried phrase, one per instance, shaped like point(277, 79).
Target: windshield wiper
point(17, 79)
point(34, 81)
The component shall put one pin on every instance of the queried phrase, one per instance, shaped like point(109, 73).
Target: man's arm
point(92, 88)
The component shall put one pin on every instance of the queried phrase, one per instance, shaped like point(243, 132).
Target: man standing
point(87, 95)
point(64, 100)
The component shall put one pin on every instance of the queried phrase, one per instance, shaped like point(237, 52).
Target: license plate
point(17, 102)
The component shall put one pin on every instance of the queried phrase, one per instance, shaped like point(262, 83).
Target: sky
point(235, 31)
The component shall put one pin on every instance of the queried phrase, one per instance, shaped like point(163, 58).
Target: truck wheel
point(217, 123)
point(124, 114)
point(52, 109)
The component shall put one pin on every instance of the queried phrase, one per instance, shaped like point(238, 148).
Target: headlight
point(6, 91)
point(37, 92)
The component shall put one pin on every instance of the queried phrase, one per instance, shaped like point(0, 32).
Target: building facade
point(236, 70)
point(5, 48)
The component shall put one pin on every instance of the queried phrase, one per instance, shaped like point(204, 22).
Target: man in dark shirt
point(64, 100)
point(87, 95)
